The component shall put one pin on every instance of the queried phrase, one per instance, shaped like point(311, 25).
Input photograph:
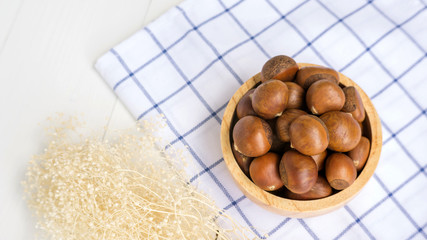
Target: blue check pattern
point(190, 61)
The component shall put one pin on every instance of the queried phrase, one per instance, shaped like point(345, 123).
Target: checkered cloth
point(190, 61)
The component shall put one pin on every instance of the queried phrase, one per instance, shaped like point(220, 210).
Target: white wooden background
point(47, 52)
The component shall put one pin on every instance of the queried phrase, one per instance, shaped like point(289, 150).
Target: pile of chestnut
point(298, 133)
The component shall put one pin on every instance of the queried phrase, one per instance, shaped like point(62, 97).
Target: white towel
point(190, 61)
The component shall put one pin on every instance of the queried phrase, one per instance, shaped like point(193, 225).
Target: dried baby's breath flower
point(125, 188)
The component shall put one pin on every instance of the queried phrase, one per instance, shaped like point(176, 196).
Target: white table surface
point(47, 52)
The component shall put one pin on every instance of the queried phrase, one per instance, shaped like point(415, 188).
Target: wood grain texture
point(306, 208)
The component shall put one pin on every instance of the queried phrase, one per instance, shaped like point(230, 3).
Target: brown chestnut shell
point(296, 97)
point(278, 146)
point(324, 96)
point(320, 159)
point(264, 172)
point(360, 153)
point(244, 107)
point(320, 189)
point(308, 135)
point(270, 99)
point(280, 67)
point(284, 121)
point(297, 171)
point(309, 74)
point(340, 171)
point(252, 136)
point(344, 131)
point(353, 103)
point(242, 160)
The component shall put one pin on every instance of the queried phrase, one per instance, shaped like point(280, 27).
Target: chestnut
point(308, 135)
point(324, 96)
point(270, 99)
point(320, 159)
point(320, 189)
point(252, 136)
point(264, 172)
point(279, 67)
point(362, 128)
point(284, 121)
point(297, 171)
point(242, 160)
point(353, 103)
point(244, 107)
point(360, 153)
point(296, 95)
point(344, 131)
point(310, 74)
point(340, 171)
point(278, 145)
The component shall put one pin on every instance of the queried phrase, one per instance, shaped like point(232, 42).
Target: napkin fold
point(188, 63)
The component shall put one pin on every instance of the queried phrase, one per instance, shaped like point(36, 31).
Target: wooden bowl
point(301, 208)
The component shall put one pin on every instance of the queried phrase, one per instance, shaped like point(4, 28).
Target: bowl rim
point(300, 208)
